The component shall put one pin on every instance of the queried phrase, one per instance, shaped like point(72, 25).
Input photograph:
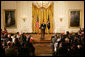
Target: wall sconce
point(61, 19)
point(24, 19)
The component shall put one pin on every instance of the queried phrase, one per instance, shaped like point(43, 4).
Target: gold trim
point(69, 17)
point(15, 18)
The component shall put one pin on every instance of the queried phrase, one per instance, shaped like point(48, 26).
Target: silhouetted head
point(17, 33)
point(67, 32)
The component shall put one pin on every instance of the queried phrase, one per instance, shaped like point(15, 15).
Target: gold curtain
point(38, 12)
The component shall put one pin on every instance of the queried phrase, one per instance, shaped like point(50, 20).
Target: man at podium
point(42, 27)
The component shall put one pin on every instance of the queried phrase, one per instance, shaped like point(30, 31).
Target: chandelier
point(42, 4)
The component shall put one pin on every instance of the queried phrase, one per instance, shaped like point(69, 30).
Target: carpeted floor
point(43, 49)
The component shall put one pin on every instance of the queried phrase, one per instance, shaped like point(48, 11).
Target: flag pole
point(43, 11)
point(38, 20)
point(42, 8)
point(48, 22)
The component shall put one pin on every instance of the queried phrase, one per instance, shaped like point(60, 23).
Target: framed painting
point(10, 18)
point(74, 18)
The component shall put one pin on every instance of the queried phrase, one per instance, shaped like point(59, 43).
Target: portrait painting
point(10, 20)
point(75, 18)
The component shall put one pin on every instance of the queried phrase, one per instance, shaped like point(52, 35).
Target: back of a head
point(9, 44)
point(9, 35)
point(67, 32)
point(17, 33)
point(16, 40)
point(66, 40)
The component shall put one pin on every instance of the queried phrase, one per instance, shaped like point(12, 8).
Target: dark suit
point(43, 26)
point(48, 26)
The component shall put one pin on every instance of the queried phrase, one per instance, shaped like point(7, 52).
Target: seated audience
point(5, 31)
point(69, 44)
point(10, 51)
point(9, 37)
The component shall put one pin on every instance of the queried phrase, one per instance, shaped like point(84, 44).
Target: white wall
point(61, 9)
point(24, 10)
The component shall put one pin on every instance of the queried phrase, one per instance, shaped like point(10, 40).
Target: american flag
point(37, 23)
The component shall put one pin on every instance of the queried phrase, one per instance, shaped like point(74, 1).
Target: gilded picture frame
point(74, 18)
point(10, 18)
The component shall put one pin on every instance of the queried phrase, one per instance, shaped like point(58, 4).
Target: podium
point(42, 33)
point(43, 26)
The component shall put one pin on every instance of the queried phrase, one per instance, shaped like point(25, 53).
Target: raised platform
point(37, 38)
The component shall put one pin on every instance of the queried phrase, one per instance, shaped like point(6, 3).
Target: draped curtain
point(38, 12)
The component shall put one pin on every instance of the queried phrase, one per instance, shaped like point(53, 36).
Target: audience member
point(69, 44)
point(10, 51)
